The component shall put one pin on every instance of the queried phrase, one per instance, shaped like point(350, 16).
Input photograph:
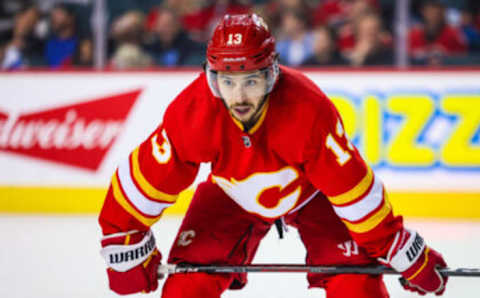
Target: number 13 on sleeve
point(342, 154)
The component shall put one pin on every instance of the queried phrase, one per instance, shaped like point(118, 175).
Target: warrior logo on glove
point(136, 253)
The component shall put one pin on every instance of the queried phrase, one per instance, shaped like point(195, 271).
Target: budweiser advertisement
point(68, 128)
point(77, 135)
point(72, 129)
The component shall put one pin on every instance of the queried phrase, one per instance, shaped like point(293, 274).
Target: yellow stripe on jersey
point(146, 187)
point(355, 192)
point(118, 195)
point(362, 208)
point(260, 120)
point(372, 221)
point(237, 123)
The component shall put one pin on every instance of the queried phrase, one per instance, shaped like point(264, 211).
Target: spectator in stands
point(63, 41)
point(128, 32)
point(10, 57)
point(324, 49)
point(272, 11)
point(344, 19)
point(199, 17)
point(170, 45)
point(84, 54)
point(295, 42)
point(9, 9)
point(196, 16)
point(470, 31)
point(22, 45)
point(336, 13)
point(3, 48)
point(431, 42)
point(370, 48)
point(130, 56)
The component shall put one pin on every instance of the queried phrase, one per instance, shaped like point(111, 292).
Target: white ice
point(58, 256)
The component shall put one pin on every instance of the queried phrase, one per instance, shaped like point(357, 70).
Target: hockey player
point(279, 153)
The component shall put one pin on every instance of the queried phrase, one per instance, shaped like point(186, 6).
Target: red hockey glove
point(417, 263)
point(132, 259)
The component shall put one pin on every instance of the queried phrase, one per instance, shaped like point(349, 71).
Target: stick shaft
point(288, 268)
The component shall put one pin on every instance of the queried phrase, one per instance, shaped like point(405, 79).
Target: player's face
point(243, 93)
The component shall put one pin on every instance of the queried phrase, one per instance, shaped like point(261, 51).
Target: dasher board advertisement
point(419, 130)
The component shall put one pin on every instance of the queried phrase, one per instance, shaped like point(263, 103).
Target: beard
point(252, 120)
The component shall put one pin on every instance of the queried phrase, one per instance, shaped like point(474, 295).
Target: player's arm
point(144, 184)
point(359, 199)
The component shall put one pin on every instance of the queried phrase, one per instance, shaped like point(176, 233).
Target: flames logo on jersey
point(185, 238)
point(269, 194)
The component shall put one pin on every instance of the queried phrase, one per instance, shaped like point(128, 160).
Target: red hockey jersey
point(297, 148)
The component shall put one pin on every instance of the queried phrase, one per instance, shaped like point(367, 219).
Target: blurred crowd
point(170, 33)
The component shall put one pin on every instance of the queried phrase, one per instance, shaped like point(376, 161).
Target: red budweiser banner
point(78, 135)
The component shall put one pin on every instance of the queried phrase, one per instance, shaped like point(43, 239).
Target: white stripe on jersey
point(141, 202)
point(363, 207)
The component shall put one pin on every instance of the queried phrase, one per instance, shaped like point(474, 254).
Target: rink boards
point(63, 133)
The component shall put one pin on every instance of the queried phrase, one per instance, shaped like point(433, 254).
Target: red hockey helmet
point(241, 43)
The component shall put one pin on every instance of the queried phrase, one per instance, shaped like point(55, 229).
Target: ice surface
point(57, 256)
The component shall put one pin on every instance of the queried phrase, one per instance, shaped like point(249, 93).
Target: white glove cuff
point(125, 257)
point(408, 254)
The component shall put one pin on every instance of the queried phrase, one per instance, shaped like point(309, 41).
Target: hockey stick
point(172, 268)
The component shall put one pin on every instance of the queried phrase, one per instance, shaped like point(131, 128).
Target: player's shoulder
point(190, 119)
point(294, 82)
point(192, 102)
point(299, 93)
point(300, 112)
